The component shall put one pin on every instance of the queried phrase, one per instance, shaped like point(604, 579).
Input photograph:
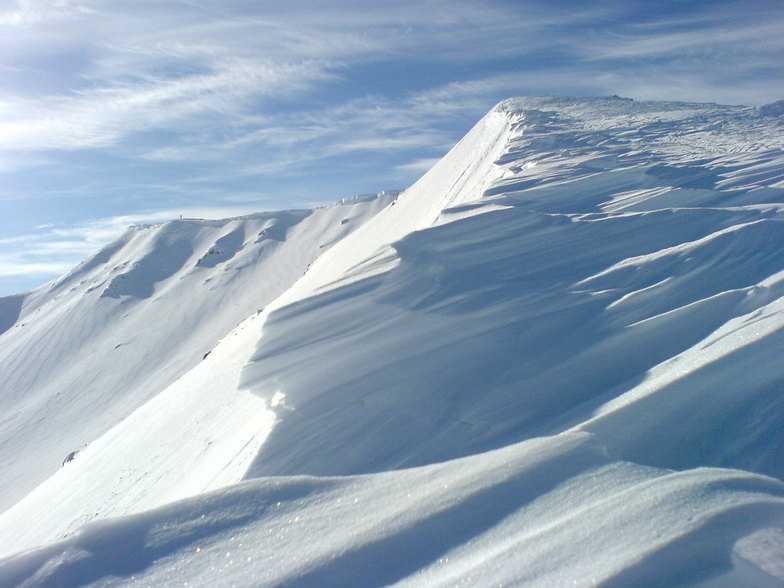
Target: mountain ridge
point(579, 283)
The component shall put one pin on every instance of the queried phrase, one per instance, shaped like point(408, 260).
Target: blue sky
point(114, 113)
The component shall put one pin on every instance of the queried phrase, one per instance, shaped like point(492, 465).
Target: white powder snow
point(553, 361)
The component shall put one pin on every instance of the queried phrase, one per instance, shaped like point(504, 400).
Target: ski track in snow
point(554, 360)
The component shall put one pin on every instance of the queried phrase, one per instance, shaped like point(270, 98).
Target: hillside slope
point(554, 360)
point(91, 347)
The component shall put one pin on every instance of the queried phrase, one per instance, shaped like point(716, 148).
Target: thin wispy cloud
point(415, 123)
point(104, 116)
point(23, 13)
point(705, 40)
point(419, 165)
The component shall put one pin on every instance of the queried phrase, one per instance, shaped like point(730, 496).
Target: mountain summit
point(554, 360)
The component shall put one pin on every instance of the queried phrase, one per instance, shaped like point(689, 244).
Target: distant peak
point(772, 109)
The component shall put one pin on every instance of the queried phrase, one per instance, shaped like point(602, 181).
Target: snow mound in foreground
point(500, 518)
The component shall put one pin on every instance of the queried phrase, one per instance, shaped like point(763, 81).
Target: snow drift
point(554, 360)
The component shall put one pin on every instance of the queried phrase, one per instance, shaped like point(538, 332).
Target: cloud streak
point(25, 13)
point(208, 68)
point(104, 116)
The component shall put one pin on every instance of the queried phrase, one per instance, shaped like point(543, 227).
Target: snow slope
point(554, 360)
point(93, 346)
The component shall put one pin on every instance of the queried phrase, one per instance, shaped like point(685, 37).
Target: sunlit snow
point(555, 360)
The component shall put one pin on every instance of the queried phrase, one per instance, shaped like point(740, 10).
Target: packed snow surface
point(555, 360)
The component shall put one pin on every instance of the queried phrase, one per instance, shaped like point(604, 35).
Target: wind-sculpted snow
point(521, 320)
point(555, 360)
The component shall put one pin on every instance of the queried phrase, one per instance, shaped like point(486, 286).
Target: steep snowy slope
point(606, 249)
point(554, 360)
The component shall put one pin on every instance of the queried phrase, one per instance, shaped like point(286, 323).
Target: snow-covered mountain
point(554, 360)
